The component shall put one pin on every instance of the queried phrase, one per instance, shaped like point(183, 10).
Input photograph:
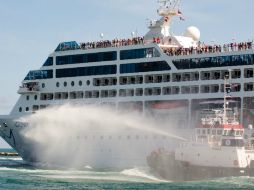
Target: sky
point(31, 29)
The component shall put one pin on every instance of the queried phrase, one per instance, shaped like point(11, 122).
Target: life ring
point(228, 142)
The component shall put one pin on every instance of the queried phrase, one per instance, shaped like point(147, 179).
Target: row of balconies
point(155, 91)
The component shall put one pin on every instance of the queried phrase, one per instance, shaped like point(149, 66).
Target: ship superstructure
point(160, 75)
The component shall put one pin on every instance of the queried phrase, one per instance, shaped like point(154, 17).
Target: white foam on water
point(106, 176)
point(88, 167)
point(129, 175)
point(135, 172)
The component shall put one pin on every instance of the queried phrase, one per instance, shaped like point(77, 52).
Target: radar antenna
point(169, 7)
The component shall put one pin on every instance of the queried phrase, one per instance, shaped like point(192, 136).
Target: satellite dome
point(192, 32)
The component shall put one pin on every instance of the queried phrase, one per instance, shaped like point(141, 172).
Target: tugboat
point(220, 148)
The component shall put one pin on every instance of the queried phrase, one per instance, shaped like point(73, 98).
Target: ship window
point(35, 108)
point(166, 90)
point(87, 82)
point(43, 106)
point(57, 84)
point(43, 85)
point(80, 83)
point(144, 67)
point(48, 96)
point(48, 62)
point(40, 74)
point(248, 73)
point(208, 62)
point(86, 71)
point(233, 142)
point(248, 86)
point(86, 58)
point(27, 109)
point(27, 97)
point(65, 84)
point(139, 53)
point(20, 109)
point(236, 74)
point(35, 97)
point(72, 83)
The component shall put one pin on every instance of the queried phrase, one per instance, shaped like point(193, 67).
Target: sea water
point(16, 175)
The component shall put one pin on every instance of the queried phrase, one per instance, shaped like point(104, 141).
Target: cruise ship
point(159, 75)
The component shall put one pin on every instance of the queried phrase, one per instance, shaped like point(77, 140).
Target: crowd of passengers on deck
point(172, 51)
point(113, 43)
point(202, 48)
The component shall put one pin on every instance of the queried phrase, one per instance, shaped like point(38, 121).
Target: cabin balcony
point(31, 87)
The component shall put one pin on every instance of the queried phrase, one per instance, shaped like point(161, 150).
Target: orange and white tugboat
point(220, 148)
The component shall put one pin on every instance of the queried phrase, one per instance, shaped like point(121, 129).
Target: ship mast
point(167, 10)
point(227, 91)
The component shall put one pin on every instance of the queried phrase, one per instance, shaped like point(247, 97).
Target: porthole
point(20, 109)
point(27, 108)
point(228, 143)
point(57, 84)
point(43, 85)
point(88, 82)
point(27, 97)
point(80, 83)
point(35, 97)
point(72, 83)
point(65, 84)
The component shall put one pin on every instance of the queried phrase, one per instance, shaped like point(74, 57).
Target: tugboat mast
point(227, 91)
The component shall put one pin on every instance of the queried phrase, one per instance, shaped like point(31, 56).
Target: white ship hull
point(100, 149)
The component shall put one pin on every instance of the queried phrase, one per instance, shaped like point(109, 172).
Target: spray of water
point(75, 136)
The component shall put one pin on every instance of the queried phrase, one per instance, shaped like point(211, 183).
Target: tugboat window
point(20, 109)
point(35, 97)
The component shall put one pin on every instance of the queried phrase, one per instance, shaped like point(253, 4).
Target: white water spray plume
point(76, 136)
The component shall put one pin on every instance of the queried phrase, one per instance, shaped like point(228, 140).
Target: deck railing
point(205, 49)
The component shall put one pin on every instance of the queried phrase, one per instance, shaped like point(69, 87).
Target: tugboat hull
point(165, 166)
